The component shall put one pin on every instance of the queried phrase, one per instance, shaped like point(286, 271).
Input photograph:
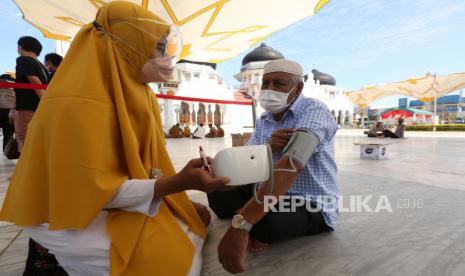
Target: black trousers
point(274, 226)
point(390, 134)
point(41, 263)
point(7, 128)
point(386, 133)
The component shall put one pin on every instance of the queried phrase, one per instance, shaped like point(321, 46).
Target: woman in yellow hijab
point(94, 183)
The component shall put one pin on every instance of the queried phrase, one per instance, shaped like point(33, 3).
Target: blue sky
point(359, 42)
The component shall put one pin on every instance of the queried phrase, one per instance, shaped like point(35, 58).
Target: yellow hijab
point(97, 126)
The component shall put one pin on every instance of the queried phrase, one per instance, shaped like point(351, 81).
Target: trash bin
point(239, 140)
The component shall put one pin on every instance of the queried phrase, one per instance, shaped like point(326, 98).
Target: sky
point(359, 42)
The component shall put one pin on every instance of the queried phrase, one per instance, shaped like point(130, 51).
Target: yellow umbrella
point(213, 30)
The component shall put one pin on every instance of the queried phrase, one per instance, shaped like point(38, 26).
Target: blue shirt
point(317, 182)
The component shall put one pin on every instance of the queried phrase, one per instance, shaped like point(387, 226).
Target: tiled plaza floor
point(426, 169)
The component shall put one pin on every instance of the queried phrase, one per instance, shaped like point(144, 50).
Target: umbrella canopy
point(213, 30)
point(424, 88)
point(368, 94)
point(429, 86)
point(404, 113)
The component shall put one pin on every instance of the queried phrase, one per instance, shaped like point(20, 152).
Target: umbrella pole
point(254, 112)
point(435, 97)
point(434, 123)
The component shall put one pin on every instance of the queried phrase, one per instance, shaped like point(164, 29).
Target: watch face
point(237, 221)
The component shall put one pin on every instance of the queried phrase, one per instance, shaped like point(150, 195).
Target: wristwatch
point(239, 222)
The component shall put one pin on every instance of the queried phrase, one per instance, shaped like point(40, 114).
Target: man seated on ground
point(213, 132)
point(315, 182)
point(379, 130)
point(199, 132)
point(187, 132)
point(220, 131)
point(376, 130)
point(175, 132)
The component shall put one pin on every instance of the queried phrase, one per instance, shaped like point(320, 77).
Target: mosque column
point(351, 117)
point(169, 113)
point(342, 118)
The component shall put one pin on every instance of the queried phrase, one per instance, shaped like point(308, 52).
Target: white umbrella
point(213, 30)
point(425, 88)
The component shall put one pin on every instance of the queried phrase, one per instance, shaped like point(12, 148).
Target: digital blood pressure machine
point(254, 164)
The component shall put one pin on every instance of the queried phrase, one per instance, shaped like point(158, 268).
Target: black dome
point(324, 79)
point(262, 53)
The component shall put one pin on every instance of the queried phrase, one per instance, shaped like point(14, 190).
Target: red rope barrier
point(202, 100)
point(160, 96)
point(22, 85)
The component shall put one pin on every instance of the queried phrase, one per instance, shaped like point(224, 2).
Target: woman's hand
point(196, 178)
point(191, 177)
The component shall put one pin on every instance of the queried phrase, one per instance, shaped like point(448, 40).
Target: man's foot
point(255, 246)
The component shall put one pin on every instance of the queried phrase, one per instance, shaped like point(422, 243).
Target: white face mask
point(274, 101)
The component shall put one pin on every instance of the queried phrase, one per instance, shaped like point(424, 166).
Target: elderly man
point(315, 182)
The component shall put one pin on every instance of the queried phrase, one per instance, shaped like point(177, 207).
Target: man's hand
point(280, 138)
point(232, 250)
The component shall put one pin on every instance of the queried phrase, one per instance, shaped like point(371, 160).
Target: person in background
point(213, 133)
point(7, 104)
point(220, 131)
point(28, 70)
point(376, 130)
point(52, 61)
point(187, 132)
point(199, 132)
point(175, 132)
point(400, 128)
point(380, 131)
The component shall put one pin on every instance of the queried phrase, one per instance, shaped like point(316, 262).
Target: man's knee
point(270, 229)
point(226, 203)
point(222, 204)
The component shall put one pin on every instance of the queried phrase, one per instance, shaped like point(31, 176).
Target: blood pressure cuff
point(301, 146)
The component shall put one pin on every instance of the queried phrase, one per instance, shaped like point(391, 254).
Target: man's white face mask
point(274, 101)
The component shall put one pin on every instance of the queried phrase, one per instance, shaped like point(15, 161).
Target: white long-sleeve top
point(87, 252)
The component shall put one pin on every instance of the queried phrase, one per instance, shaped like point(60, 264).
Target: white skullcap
point(284, 65)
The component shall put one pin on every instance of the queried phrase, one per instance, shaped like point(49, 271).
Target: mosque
point(318, 85)
point(201, 80)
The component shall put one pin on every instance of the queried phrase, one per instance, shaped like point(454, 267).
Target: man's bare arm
point(36, 80)
point(253, 211)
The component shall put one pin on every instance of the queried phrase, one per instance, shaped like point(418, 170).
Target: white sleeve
point(136, 195)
